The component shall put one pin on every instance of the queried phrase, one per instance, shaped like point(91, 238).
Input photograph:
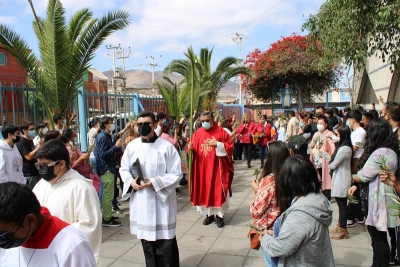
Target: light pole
point(152, 65)
point(237, 39)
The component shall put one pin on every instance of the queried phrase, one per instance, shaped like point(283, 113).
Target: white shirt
point(358, 136)
point(73, 199)
point(153, 211)
point(69, 248)
point(10, 164)
point(158, 130)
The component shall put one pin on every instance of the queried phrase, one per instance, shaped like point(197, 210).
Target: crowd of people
point(306, 159)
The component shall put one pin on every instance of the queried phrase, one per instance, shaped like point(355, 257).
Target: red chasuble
point(212, 175)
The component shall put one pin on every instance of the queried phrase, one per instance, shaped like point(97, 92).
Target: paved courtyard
point(205, 246)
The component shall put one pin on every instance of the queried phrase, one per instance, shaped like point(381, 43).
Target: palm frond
point(77, 23)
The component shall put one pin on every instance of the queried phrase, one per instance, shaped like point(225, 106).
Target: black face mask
point(16, 140)
point(47, 172)
point(8, 240)
point(144, 130)
point(362, 125)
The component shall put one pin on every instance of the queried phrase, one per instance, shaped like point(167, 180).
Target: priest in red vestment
point(212, 170)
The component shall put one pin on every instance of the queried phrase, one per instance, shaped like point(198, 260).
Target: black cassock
point(161, 253)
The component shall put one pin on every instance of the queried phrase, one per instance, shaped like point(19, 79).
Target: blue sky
point(168, 28)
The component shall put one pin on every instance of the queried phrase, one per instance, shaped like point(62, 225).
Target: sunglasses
point(140, 124)
point(45, 167)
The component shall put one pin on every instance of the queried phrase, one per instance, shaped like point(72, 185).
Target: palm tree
point(206, 83)
point(174, 95)
point(66, 51)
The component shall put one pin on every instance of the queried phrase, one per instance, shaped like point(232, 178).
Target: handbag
point(254, 241)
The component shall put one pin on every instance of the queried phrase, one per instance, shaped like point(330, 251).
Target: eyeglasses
point(2, 234)
point(46, 166)
point(140, 124)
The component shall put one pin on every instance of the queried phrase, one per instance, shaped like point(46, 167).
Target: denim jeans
point(267, 258)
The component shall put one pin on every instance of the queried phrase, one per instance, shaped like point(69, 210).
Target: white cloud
point(8, 20)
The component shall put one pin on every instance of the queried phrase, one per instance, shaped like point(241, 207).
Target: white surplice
point(74, 200)
point(153, 211)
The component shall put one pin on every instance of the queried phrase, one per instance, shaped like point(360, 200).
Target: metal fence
point(19, 104)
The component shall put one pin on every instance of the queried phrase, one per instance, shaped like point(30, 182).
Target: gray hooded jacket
point(304, 236)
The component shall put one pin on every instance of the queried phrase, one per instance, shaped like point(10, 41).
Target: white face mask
point(335, 139)
point(320, 127)
point(112, 127)
point(45, 129)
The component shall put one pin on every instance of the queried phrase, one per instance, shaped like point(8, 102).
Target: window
point(3, 59)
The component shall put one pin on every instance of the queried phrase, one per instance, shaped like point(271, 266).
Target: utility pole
point(152, 65)
point(237, 39)
point(113, 56)
point(121, 55)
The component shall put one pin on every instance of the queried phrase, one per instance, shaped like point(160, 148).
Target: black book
point(136, 171)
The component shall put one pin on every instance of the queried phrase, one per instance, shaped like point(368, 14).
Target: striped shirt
point(264, 208)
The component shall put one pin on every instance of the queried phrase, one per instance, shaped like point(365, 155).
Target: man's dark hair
point(103, 121)
point(374, 113)
point(298, 144)
point(51, 135)
point(17, 201)
point(346, 109)
point(160, 115)
point(25, 125)
point(264, 117)
point(149, 114)
point(329, 112)
point(368, 115)
point(354, 114)
point(335, 111)
point(393, 109)
point(319, 107)
point(9, 129)
point(360, 108)
point(56, 118)
point(298, 176)
point(207, 113)
point(53, 150)
point(291, 113)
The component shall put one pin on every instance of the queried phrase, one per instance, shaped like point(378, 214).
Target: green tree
point(351, 30)
point(174, 95)
point(66, 51)
point(206, 83)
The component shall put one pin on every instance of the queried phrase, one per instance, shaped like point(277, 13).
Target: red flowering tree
point(288, 60)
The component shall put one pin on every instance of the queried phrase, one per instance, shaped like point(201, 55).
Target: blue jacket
point(105, 154)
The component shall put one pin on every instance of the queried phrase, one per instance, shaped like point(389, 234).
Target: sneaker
point(110, 223)
point(177, 192)
point(393, 261)
point(360, 221)
point(117, 210)
point(114, 219)
point(350, 223)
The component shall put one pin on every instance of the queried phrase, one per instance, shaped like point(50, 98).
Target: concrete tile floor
point(206, 246)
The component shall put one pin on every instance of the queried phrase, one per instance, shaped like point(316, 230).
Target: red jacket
point(247, 132)
point(267, 133)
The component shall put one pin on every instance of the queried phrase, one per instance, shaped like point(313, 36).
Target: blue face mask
point(32, 134)
point(347, 123)
point(172, 130)
point(206, 125)
point(164, 120)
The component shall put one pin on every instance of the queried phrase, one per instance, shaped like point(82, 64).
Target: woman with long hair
point(246, 130)
point(381, 150)
point(266, 205)
point(131, 134)
point(322, 140)
point(301, 235)
point(51, 135)
point(340, 166)
point(166, 133)
point(79, 160)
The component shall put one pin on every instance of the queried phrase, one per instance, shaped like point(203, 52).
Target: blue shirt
point(104, 153)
